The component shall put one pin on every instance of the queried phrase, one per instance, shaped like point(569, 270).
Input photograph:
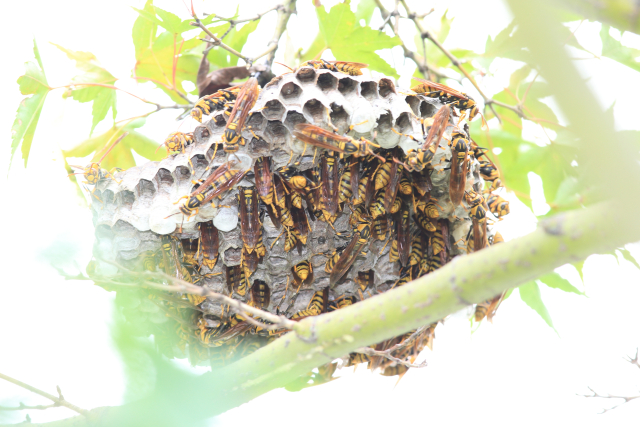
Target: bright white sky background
point(514, 372)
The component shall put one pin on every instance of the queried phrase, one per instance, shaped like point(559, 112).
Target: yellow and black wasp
point(245, 101)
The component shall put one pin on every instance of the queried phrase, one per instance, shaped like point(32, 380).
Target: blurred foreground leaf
point(612, 48)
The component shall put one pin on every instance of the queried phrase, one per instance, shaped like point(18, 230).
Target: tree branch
point(565, 238)
point(284, 13)
point(626, 399)
point(57, 401)
point(408, 53)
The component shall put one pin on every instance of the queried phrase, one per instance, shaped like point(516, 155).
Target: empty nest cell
point(369, 90)
point(315, 110)
point(327, 82)
point(339, 117)
point(273, 110)
point(347, 86)
point(276, 132)
point(427, 110)
point(414, 104)
point(164, 180)
point(125, 198)
point(403, 123)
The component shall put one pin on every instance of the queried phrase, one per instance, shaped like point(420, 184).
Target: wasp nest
point(295, 229)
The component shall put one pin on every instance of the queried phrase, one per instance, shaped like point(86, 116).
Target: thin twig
point(408, 53)
point(371, 352)
point(58, 401)
point(626, 399)
point(233, 21)
point(278, 322)
point(634, 361)
point(216, 41)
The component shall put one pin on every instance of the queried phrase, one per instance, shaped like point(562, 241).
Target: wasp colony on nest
point(319, 190)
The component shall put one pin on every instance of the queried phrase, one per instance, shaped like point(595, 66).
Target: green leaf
point(34, 83)
point(144, 31)
point(619, 13)
point(554, 280)
point(365, 10)
point(350, 42)
point(445, 27)
point(627, 255)
point(105, 100)
point(144, 146)
point(612, 48)
point(530, 294)
point(156, 63)
point(164, 19)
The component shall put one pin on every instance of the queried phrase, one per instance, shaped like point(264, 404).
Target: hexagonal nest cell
point(347, 86)
point(369, 90)
point(290, 91)
point(274, 110)
point(137, 222)
point(306, 75)
point(327, 82)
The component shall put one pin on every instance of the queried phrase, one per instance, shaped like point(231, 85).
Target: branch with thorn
point(57, 401)
point(625, 399)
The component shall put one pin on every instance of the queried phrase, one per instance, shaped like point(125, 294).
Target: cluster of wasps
point(386, 194)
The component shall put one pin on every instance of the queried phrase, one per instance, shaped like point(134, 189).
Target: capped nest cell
point(287, 215)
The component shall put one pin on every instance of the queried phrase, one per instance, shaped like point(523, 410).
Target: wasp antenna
point(484, 122)
point(171, 215)
point(120, 138)
point(76, 173)
point(158, 148)
point(284, 65)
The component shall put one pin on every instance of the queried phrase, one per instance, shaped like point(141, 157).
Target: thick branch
point(565, 238)
point(284, 13)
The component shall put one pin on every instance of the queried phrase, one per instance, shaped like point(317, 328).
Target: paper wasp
point(497, 205)
point(345, 192)
point(488, 171)
point(178, 141)
point(345, 145)
point(260, 294)
point(459, 167)
point(190, 252)
point(302, 273)
point(488, 308)
point(250, 226)
point(360, 239)
point(330, 183)
point(393, 251)
point(236, 280)
point(364, 279)
point(264, 179)
point(403, 233)
point(209, 243)
point(249, 262)
point(478, 215)
point(350, 68)
point(318, 304)
point(300, 223)
point(215, 101)
point(93, 173)
point(377, 207)
point(392, 188)
point(379, 228)
point(425, 222)
point(450, 96)
point(405, 185)
point(220, 183)
point(245, 101)
point(418, 248)
point(341, 302)
point(149, 261)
